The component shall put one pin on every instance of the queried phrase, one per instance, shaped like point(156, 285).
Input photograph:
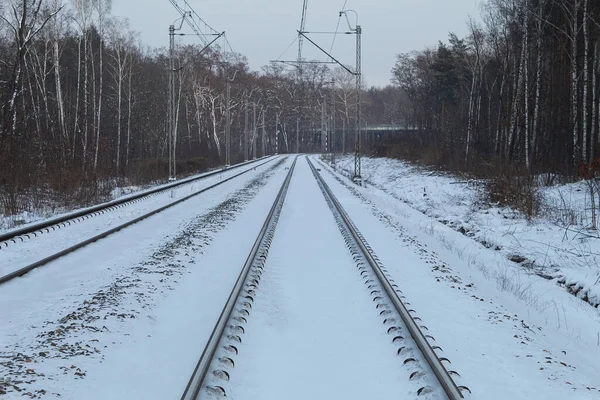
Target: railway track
point(230, 321)
point(418, 357)
point(20, 234)
point(32, 231)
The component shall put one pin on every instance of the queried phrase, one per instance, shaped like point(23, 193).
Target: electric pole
point(276, 132)
point(357, 176)
point(246, 130)
point(332, 140)
point(297, 135)
point(254, 132)
point(264, 134)
point(194, 21)
point(358, 74)
point(323, 127)
point(227, 121)
point(171, 104)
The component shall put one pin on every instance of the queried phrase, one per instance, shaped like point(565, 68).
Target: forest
point(522, 87)
point(83, 103)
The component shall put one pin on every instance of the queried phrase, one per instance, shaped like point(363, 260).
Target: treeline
point(84, 104)
point(522, 88)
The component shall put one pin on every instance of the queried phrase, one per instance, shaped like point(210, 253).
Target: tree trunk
point(129, 105)
point(471, 109)
point(65, 146)
point(499, 137)
point(213, 117)
point(100, 81)
point(538, 82)
point(76, 114)
point(119, 102)
point(595, 101)
point(575, 87)
point(526, 74)
point(517, 93)
point(85, 100)
point(586, 81)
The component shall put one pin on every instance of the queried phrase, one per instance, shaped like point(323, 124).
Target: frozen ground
point(76, 314)
point(314, 331)
point(129, 316)
point(556, 246)
point(21, 253)
point(504, 327)
point(46, 211)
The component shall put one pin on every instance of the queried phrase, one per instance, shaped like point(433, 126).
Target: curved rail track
point(230, 325)
point(47, 225)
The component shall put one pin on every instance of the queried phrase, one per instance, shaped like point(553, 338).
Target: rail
point(259, 251)
point(22, 271)
point(441, 373)
point(29, 229)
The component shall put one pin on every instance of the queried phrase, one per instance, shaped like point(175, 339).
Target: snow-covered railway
point(314, 314)
point(33, 246)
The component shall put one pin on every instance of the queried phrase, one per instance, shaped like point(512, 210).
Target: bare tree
point(102, 8)
point(120, 63)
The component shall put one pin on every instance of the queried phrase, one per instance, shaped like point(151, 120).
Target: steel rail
point(30, 229)
point(196, 381)
point(441, 373)
point(22, 271)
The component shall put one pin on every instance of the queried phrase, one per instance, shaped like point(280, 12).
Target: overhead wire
point(234, 53)
point(206, 25)
point(337, 28)
point(285, 51)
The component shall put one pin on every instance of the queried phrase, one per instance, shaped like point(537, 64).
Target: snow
point(555, 245)
point(509, 333)
point(45, 212)
point(129, 316)
point(22, 253)
point(83, 309)
point(314, 331)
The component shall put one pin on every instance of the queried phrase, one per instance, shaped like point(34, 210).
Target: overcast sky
point(263, 29)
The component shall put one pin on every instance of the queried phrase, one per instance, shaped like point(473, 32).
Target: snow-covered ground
point(14, 256)
point(48, 211)
point(556, 245)
point(64, 323)
point(129, 316)
point(314, 331)
point(509, 332)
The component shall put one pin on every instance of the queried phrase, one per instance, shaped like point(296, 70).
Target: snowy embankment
point(555, 246)
point(510, 333)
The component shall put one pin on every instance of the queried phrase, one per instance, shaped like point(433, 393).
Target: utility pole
point(228, 125)
point(254, 132)
point(300, 74)
point(227, 120)
point(358, 74)
point(332, 142)
point(246, 130)
point(323, 127)
point(228, 82)
point(357, 174)
point(276, 132)
point(297, 135)
point(264, 134)
point(171, 134)
point(189, 16)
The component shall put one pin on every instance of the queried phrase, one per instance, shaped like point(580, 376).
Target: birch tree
point(102, 8)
